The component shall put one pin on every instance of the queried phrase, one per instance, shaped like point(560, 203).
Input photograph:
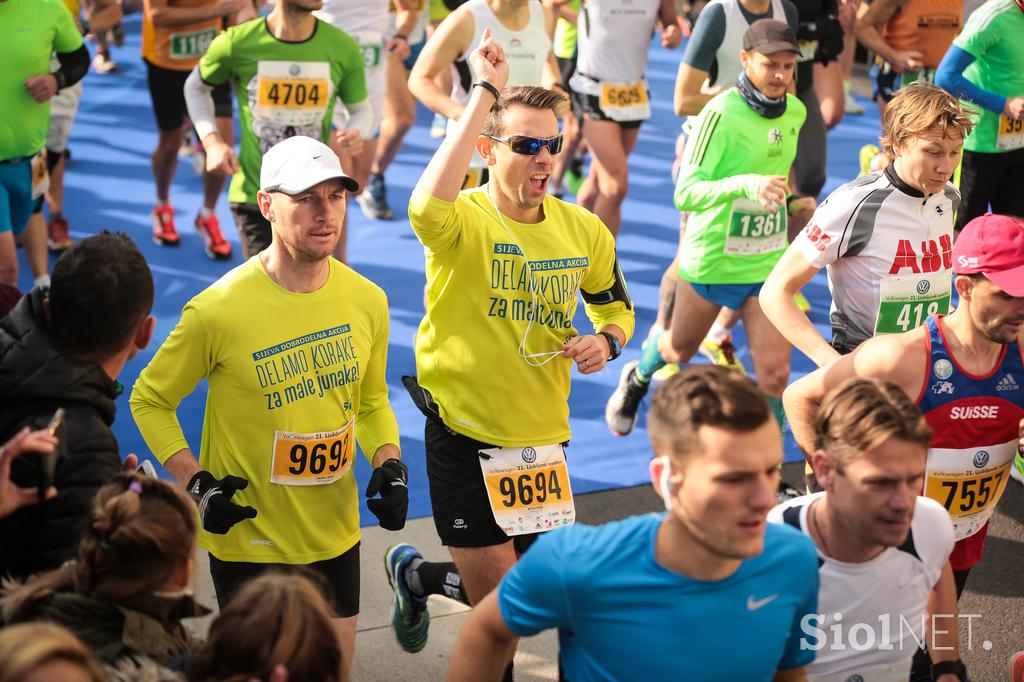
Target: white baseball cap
point(296, 164)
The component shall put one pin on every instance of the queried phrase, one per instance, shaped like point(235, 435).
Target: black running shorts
point(167, 92)
point(338, 579)
point(462, 512)
point(991, 182)
point(253, 228)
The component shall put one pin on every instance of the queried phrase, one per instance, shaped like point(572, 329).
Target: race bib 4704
point(292, 93)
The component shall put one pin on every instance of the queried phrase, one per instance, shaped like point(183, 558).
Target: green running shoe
point(410, 618)
point(573, 179)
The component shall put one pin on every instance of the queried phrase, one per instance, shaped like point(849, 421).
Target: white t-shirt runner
point(613, 37)
point(877, 608)
point(526, 51)
point(888, 250)
point(368, 22)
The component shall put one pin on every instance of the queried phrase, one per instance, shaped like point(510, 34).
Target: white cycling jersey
point(888, 249)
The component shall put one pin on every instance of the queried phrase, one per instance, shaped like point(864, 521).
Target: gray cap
point(769, 36)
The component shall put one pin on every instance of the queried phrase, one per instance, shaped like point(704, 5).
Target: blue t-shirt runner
point(623, 616)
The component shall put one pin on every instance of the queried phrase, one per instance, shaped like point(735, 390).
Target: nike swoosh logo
point(317, 157)
point(755, 604)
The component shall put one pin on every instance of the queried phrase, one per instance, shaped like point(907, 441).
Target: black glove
point(216, 510)
point(389, 479)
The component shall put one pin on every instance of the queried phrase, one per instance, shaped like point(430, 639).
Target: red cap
point(992, 245)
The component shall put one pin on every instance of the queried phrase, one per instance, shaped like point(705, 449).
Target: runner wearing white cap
point(293, 345)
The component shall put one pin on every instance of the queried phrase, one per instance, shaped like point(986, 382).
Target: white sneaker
point(102, 63)
point(851, 106)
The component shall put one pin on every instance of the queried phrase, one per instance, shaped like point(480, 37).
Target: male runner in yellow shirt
point(506, 266)
point(293, 345)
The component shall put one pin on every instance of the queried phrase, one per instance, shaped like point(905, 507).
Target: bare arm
point(449, 42)
point(405, 22)
point(562, 10)
point(671, 36)
point(161, 13)
point(551, 75)
point(899, 358)
point(944, 642)
point(789, 275)
point(182, 465)
point(868, 28)
point(688, 99)
point(443, 176)
point(484, 643)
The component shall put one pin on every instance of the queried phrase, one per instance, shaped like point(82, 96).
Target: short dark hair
point(528, 96)
point(101, 288)
point(703, 395)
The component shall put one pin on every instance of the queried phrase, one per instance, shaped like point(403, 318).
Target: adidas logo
point(1007, 383)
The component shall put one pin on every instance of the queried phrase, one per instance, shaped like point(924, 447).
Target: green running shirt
point(998, 67)
point(564, 45)
point(283, 89)
point(729, 238)
point(32, 31)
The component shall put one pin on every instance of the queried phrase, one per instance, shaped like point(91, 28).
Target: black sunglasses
point(531, 146)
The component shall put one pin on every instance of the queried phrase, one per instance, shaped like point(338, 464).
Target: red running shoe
point(1017, 667)
point(216, 246)
point(164, 232)
point(57, 236)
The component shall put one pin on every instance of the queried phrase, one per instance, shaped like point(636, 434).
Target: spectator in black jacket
point(66, 350)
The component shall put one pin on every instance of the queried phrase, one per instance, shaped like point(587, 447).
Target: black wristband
point(399, 36)
point(949, 668)
point(489, 88)
point(58, 76)
point(614, 347)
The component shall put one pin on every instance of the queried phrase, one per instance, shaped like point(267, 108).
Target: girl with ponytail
point(128, 590)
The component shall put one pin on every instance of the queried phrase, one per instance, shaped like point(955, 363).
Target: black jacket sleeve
point(73, 67)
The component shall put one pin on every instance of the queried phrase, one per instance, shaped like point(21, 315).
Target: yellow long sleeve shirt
point(480, 303)
point(287, 373)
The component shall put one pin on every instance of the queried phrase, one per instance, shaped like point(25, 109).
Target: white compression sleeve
point(199, 100)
